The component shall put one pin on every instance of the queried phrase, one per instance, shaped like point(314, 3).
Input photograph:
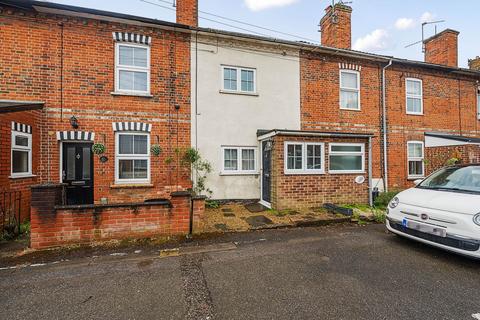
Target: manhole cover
point(258, 221)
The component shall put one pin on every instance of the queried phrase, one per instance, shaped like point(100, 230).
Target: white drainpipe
point(384, 127)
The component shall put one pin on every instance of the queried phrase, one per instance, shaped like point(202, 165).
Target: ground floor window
point(132, 157)
point(347, 158)
point(304, 157)
point(415, 154)
point(21, 154)
point(239, 160)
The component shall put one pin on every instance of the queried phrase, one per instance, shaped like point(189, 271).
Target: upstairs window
point(239, 160)
point(304, 158)
point(414, 92)
point(132, 158)
point(241, 80)
point(21, 154)
point(415, 154)
point(132, 68)
point(349, 90)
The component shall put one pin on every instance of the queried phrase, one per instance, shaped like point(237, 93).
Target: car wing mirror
point(417, 182)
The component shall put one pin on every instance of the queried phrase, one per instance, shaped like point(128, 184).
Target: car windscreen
point(459, 179)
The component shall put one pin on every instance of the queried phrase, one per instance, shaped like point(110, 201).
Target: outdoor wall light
point(74, 122)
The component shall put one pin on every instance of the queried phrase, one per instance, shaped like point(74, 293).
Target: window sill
point(303, 173)
point(131, 94)
point(414, 114)
point(131, 186)
point(347, 109)
point(347, 172)
point(23, 176)
point(252, 94)
point(239, 173)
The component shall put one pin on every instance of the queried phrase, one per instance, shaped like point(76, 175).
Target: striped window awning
point(350, 66)
point(132, 37)
point(21, 127)
point(75, 136)
point(132, 126)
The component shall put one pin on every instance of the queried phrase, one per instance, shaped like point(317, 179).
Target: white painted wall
point(233, 119)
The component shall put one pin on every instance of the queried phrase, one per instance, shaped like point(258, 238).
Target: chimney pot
point(442, 48)
point(336, 26)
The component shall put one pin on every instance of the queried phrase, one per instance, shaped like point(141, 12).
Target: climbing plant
point(200, 168)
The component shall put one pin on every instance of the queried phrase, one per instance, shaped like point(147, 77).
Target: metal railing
point(10, 208)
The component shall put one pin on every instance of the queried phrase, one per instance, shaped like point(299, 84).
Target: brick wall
point(31, 118)
point(337, 30)
point(449, 104)
point(34, 47)
point(313, 190)
point(53, 225)
point(442, 48)
point(437, 157)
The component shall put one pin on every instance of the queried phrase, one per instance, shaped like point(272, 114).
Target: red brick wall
point(51, 227)
point(294, 191)
point(449, 104)
point(437, 157)
point(31, 118)
point(30, 65)
point(443, 48)
point(339, 34)
point(187, 12)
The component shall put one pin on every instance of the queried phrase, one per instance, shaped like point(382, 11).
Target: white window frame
point(346, 153)
point(356, 90)
point(239, 80)
point(414, 96)
point(119, 67)
point(119, 157)
point(28, 149)
point(410, 176)
point(304, 169)
point(239, 170)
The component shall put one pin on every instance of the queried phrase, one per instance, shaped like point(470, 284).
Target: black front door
point(77, 172)
point(266, 170)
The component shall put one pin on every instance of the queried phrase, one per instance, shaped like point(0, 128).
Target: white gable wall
point(233, 119)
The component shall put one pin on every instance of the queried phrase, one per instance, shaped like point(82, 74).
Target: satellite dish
point(360, 179)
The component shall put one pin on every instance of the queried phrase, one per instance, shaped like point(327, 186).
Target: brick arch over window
point(132, 126)
point(132, 38)
point(75, 136)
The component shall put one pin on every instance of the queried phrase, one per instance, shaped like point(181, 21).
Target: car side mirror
point(417, 182)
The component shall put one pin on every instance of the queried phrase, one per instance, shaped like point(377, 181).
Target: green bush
point(212, 204)
point(384, 198)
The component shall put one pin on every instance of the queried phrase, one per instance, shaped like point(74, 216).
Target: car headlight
point(394, 203)
point(476, 219)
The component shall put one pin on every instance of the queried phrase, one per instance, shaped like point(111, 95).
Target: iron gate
point(10, 206)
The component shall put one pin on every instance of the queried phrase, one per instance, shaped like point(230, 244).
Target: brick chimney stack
point(474, 64)
point(187, 12)
point(442, 48)
point(336, 27)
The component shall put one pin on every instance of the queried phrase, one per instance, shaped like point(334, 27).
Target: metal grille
point(10, 206)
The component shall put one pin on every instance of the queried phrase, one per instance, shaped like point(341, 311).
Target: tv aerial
point(423, 33)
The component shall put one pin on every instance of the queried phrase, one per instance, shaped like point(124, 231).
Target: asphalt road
point(342, 272)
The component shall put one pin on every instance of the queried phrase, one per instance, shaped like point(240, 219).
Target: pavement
point(334, 272)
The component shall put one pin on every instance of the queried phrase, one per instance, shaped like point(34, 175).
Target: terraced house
point(105, 104)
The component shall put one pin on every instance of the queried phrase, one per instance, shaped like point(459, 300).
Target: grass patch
point(212, 204)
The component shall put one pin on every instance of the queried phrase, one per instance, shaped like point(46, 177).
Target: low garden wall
point(53, 224)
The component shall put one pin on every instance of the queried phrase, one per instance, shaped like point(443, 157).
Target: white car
point(443, 210)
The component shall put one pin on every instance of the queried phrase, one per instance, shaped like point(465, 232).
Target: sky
point(378, 26)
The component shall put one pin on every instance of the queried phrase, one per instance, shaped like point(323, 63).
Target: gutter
point(384, 126)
